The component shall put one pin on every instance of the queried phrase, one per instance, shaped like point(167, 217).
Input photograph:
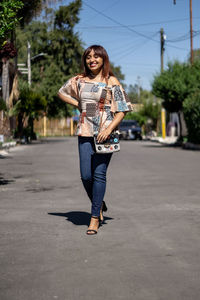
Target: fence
point(60, 127)
point(54, 127)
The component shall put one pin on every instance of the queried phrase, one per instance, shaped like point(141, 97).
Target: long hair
point(100, 51)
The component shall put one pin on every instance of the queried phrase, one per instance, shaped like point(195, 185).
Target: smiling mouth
point(93, 65)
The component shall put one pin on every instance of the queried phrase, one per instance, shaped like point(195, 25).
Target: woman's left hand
point(103, 135)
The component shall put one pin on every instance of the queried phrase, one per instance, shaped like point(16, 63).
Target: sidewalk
point(4, 147)
point(168, 140)
point(172, 141)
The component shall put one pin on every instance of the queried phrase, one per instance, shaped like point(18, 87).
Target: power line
point(127, 27)
point(118, 23)
point(179, 48)
point(135, 47)
point(184, 37)
point(108, 7)
point(130, 29)
point(134, 25)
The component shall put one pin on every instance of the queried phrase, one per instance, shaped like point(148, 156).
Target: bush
point(191, 110)
point(3, 105)
point(29, 107)
point(148, 116)
point(137, 117)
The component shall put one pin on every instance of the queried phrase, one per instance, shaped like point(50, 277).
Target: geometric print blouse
point(98, 103)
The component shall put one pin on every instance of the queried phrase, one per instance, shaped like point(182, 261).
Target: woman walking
point(102, 103)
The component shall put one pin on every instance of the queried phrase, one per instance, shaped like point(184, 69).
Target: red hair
point(101, 52)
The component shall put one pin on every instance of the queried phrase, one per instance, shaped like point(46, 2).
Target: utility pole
point(138, 87)
point(162, 49)
point(191, 35)
point(29, 63)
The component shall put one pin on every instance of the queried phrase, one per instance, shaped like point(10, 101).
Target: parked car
point(130, 130)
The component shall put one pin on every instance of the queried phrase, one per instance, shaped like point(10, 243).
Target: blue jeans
point(93, 168)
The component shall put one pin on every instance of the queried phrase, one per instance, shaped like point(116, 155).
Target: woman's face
point(94, 62)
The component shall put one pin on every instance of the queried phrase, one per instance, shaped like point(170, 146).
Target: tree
point(12, 13)
point(63, 47)
point(191, 109)
point(117, 72)
point(32, 9)
point(176, 84)
point(196, 55)
point(29, 10)
point(8, 18)
point(8, 21)
point(133, 93)
point(30, 106)
point(171, 86)
point(149, 112)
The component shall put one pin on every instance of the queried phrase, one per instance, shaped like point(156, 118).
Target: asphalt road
point(148, 248)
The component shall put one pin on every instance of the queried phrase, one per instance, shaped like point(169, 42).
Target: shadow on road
point(77, 217)
point(162, 146)
point(4, 157)
point(4, 181)
point(54, 140)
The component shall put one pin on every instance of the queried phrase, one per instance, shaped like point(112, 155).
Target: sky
point(130, 32)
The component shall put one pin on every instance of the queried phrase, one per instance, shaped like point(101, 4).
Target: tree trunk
point(31, 126)
point(20, 125)
point(180, 138)
point(5, 81)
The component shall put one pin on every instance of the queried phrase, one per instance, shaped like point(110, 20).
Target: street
point(148, 248)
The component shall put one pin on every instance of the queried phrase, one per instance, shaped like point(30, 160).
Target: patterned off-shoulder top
point(98, 103)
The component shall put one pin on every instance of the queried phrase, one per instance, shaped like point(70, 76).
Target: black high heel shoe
point(104, 207)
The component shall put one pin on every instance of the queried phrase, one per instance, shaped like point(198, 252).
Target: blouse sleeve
point(120, 100)
point(70, 89)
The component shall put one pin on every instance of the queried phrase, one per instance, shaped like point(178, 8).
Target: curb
point(8, 145)
point(174, 143)
point(5, 147)
point(166, 141)
point(191, 146)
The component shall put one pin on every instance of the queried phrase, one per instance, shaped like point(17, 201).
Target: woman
point(102, 103)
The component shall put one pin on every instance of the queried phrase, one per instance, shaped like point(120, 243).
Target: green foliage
point(63, 49)
point(133, 93)
point(29, 10)
point(171, 86)
point(178, 86)
point(137, 117)
point(117, 72)
point(176, 83)
point(152, 111)
point(8, 18)
point(196, 55)
point(191, 109)
point(67, 16)
point(30, 106)
point(149, 112)
point(30, 103)
point(3, 106)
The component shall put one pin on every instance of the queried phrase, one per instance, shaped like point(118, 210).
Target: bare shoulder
point(113, 81)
